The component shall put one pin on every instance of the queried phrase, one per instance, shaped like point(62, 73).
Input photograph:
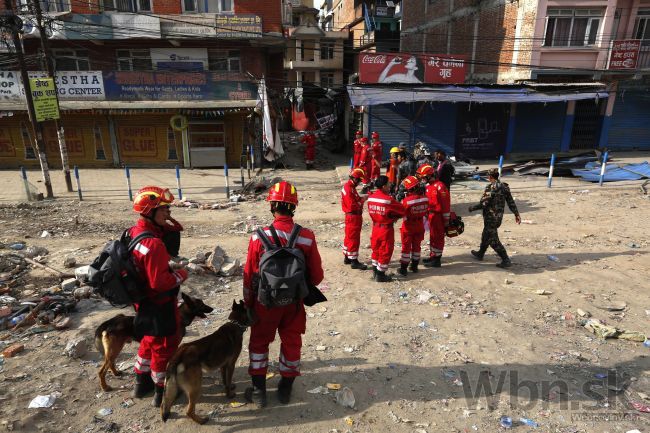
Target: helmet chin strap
point(151, 218)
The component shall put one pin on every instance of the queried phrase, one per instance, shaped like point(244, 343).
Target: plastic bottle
point(528, 422)
point(505, 421)
point(17, 319)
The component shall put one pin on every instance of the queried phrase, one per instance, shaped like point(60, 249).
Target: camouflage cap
point(493, 172)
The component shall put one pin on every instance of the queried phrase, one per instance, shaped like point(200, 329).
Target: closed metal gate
point(586, 124)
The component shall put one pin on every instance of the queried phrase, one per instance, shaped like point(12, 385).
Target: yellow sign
point(44, 97)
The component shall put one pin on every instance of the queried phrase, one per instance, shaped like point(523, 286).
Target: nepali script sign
point(624, 54)
point(44, 98)
point(384, 68)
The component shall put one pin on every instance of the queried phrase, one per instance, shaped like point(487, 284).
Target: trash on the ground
point(507, 281)
point(446, 315)
point(600, 375)
point(633, 245)
point(349, 421)
point(270, 375)
point(41, 401)
point(127, 402)
point(13, 350)
point(69, 262)
point(641, 407)
point(321, 348)
point(553, 258)
point(76, 348)
point(606, 331)
point(195, 268)
point(613, 306)
point(424, 297)
point(17, 246)
point(375, 299)
point(82, 292)
point(318, 390)
point(646, 343)
point(236, 404)
point(543, 292)
point(46, 234)
point(345, 397)
point(505, 421)
point(333, 386)
point(583, 313)
point(105, 411)
point(69, 284)
point(528, 422)
point(81, 273)
point(423, 325)
point(35, 251)
point(229, 267)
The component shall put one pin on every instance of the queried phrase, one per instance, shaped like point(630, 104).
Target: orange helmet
point(375, 134)
point(410, 182)
point(283, 192)
point(425, 170)
point(358, 173)
point(150, 198)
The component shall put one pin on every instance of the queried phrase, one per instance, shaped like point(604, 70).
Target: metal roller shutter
point(630, 121)
point(393, 124)
point(539, 127)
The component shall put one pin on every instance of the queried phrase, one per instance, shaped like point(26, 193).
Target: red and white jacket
point(416, 207)
point(152, 261)
point(384, 209)
point(306, 242)
point(351, 201)
point(439, 199)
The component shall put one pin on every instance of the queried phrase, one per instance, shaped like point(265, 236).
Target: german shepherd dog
point(217, 350)
point(113, 334)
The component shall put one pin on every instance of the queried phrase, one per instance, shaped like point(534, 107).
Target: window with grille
point(209, 6)
point(134, 60)
point(224, 60)
point(71, 60)
point(327, 50)
point(572, 27)
point(54, 5)
point(327, 79)
point(642, 24)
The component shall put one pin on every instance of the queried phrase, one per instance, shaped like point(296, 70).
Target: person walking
point(495, 197)
point(352, 206)
point(439, 211)
point(309, 140)
point(384, 210)
point(416, 205)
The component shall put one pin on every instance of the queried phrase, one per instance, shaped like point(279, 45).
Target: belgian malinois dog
point(217, 350)
point(113, 334)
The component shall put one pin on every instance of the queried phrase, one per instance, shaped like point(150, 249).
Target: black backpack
point(113, 274)
point(282, 270)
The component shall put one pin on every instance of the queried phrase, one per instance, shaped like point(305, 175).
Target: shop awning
point(372, 95)
point(135, 105)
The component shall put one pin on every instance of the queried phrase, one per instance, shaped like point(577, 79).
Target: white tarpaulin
point(272, 145)
point(363, 95)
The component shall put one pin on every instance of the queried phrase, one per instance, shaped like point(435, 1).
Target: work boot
point(427, 260)
point(356, 264)
point(382, 277)
point(403, 269)
point(143, 385)
point(505, 262)
point(478, 255)
point(346, 261)
point(414, 266)
point(434, 263)
point(284, 389)
point(257, 393)
point(158, 396)
point(374, 273)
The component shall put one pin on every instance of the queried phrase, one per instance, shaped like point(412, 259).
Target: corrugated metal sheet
point(630, 121)
point(437, 126)
point(393, 124)
point(539, 127)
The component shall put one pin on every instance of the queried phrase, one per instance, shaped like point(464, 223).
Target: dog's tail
point(99, 345)
point(171, 388)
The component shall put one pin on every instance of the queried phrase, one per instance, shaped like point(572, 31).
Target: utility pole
point(36, 126)
point(60, 133)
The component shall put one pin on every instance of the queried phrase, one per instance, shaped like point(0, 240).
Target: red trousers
point(290, 322)
point(412, 236)
point(352, 238)
point(375, 169)
point(382, 242)
point(153, 355)
point(436, 234)
point(310, 154)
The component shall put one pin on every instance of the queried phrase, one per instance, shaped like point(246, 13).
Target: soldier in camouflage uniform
point(493, 203)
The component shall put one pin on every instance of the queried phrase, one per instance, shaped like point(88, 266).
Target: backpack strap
point(268, 246)
point(276, 238)
point(294, 236)
point(136, 240)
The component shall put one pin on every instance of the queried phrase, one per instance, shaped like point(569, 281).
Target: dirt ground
point(414, 360)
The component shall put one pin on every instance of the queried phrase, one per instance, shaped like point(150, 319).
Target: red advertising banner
point(624, 54)
point(383, 68)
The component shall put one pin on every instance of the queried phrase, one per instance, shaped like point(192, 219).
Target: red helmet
point(358, 173)
point(364, 139)
point(375, 134)
point(283, 192)
point(410, 182)
point(358, 133)
point(425, 170)
point(150, 198)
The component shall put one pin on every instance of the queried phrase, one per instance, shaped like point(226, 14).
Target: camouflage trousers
point(490, 238)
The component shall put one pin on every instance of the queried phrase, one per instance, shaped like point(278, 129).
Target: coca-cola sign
point(386, 68)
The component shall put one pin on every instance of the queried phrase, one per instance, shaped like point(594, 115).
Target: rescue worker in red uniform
point(157, 317)
point(416, 205)
point(365, 160)
point(376, 151)
point(356, 149)
point(309, 140)
point(288, 321)
point(352, 206)
point(439, 208)
point(384, 210)
point(393, 164)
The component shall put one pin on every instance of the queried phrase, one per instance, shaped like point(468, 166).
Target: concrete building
point(125, 68)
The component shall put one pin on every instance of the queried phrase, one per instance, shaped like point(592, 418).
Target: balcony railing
point(644, 55)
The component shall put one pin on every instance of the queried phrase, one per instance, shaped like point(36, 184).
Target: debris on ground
point(345, 397)
point(606, 331)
